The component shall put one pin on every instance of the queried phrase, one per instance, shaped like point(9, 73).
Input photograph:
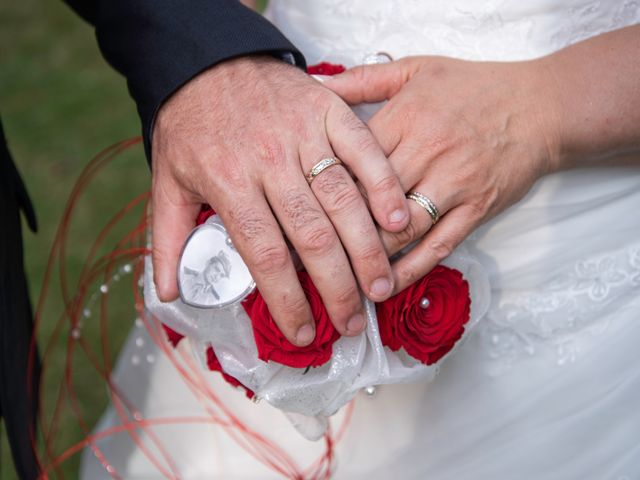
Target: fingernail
point(305, 335)
point(397, 216)
point(355, 323)
point(380, 287)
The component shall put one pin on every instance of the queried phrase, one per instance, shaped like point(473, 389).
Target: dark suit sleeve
point(159, 45)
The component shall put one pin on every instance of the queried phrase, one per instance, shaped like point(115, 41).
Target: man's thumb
point(171, 227)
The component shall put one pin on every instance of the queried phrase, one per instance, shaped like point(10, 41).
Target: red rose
point(214, 365)
point(173, 336)
point(325, 68)
point(205, 212)
point(426, 334)
point(272, 344)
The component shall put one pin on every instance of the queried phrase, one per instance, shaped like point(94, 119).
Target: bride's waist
point(346, 31)
point(567, 219)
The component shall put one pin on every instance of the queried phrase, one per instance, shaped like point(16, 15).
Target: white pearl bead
point(370, 390)
point(104, 288)
point(424, 302)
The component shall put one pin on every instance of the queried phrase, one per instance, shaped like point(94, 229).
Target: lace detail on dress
point(570, 309)
point(475, 30)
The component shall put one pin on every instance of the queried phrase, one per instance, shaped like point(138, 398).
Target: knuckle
point(361, 74)
point(271, 151)
point(270, 259)
point(299, 209)
point(366, 142)
point(292, 310)
point(408, 276)
point(332, 180)
point(250, 224)
point(319, 240)
point(344, 303)
point(385, 185)
point(373, 256)
point(228, 176)
point(478, 211)
point(440, 248)
point(407, 235)
point(346, 198)
point(355, 125)
point(319, 99)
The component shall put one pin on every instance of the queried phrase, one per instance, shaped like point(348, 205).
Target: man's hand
point(241, 137)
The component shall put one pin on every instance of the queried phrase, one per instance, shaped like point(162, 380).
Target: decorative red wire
point(131, 250)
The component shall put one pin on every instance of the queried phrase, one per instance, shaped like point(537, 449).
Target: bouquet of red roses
point(229, 325)
point(406, 339)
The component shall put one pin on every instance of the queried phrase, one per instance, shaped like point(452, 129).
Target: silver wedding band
point(426, 203)
point(321, 166)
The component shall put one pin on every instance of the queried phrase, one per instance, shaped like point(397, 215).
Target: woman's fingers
point(435, 246)
point(465, 134)
point(421, 222)
point(371, 83)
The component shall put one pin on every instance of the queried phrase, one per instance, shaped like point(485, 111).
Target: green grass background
point(61, 104)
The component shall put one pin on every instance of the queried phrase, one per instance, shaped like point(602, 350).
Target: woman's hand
point(241, 137)
point(472, 137)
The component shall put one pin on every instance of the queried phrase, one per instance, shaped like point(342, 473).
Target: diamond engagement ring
point(321, 166)
point(426, 203)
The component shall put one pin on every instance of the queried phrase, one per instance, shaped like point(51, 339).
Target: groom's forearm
point(596, 113)
point(159, 45)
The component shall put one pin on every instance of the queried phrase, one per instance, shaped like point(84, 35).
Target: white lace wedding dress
point(548, 384)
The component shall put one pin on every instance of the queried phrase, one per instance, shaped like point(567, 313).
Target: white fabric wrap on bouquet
point(356, 363)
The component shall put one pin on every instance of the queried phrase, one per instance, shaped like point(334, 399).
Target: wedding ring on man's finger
point(321, 166)
point(426, 203)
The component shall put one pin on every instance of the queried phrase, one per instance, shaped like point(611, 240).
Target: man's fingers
point(343, 203)
point(171, 226)
point(257, 236)
point(370, 83)
point(436, 245)
point(355, 145)
point(318, 246)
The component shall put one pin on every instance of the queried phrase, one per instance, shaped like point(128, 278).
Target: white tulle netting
point(308, 396)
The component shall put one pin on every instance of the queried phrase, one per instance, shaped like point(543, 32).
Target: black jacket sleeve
point(159, 45)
